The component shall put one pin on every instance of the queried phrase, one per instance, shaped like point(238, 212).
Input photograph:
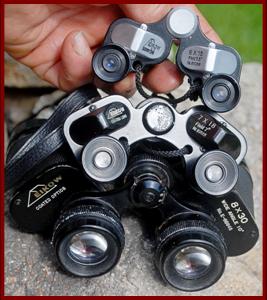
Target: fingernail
point(80, 44)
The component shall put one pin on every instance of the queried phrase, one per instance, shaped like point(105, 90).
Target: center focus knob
point(158, 118)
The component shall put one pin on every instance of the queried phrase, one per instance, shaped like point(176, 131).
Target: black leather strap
point(48, 137)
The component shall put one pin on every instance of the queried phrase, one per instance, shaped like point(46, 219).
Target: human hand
point(57, 42)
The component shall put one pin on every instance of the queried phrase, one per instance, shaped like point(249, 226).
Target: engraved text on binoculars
point(52, 197)
point(237, 216)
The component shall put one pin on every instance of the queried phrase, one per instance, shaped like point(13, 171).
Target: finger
point(147, 13)
point(163, 78)
point(125, 87)
point(74, 69)
point(58, 26)
point(76, 59)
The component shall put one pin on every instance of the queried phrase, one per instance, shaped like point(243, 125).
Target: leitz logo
point(40, 190)
point(115, 111)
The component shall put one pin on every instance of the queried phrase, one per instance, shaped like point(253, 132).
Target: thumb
point(75, 66)
point(146, 13)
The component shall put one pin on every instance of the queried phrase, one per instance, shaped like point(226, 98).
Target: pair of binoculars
point(76, 174)
point(214, 67)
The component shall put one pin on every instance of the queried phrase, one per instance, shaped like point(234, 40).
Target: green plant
point(239, 26)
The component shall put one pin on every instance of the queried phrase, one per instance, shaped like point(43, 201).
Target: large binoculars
point(182, 173)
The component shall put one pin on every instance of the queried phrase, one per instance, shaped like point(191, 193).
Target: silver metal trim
point(135, 130)
point(138, 40)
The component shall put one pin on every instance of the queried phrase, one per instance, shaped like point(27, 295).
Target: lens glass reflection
point(192, 261)
point(111, 63)
point(88, 247)
point(220, 93)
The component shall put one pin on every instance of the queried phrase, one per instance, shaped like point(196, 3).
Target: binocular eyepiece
point(111, 64)
point(220, 93)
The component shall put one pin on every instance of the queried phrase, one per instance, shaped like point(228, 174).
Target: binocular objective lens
point(88, 247)
point(192, 261)
point(88, 240)
point(220, 93)
point(111, 63)
point(191, 254)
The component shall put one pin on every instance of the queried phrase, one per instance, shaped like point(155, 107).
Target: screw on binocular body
point(92, 108)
